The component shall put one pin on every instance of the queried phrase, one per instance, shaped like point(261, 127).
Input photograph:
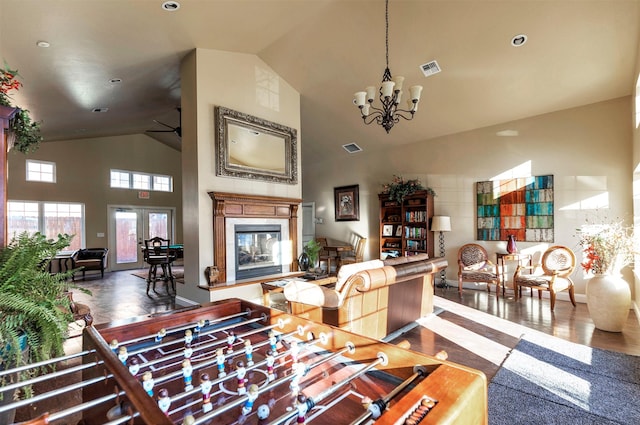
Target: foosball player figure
point(263, 414)
point(188, 351)
point(123, 355)
point(164, 401)
point(301, 407)
point(252, 395)
point(188, 336)
point(299, 369)
point(273, 341)
point(231, 339)
point(271, 360)
point(205, 388)
point(199, 327)
point(187, 371)
point(248, 351)
point(147, 383)
point(372, 407)
point(161, 334)
point(134, 366)
point(114, 346)
point(189, 420)
point(294, 352)
point(242, 380)
point(220, 360)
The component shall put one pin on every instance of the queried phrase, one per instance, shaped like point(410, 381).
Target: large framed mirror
point(253, 148)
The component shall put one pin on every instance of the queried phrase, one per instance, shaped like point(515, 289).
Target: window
point(48, 218)
point(141, 181)
point(41, 171)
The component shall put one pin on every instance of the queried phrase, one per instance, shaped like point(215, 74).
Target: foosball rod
point(228, 376)
point(171, 342)
point(311, 402)
point(383, 402)
point(56, 392)
point(185, 327)
point(44, 363)
point(50, 375)
point(212, 362)
point(231, 404)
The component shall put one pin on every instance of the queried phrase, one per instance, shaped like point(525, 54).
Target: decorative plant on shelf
point(34, 303)
point(399, 188)
point(24, 133)
point(608, 247)
point(312, 249)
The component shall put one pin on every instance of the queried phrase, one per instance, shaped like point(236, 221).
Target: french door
point(129, 227)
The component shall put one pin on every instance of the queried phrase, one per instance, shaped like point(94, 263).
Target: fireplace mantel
point(234, 205)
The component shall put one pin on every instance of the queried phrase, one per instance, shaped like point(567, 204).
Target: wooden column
point(6, 113)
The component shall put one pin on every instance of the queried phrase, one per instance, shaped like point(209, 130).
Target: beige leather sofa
point(372, 298)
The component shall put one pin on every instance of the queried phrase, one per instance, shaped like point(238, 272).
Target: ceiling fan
point(177, 130)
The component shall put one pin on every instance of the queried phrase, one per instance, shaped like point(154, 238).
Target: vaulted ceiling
point(577, 52)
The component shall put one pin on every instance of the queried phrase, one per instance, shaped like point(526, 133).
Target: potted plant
point(34, 304)
point(400, 188)
point(607, 249)
point(309, 257)
point(24, 133)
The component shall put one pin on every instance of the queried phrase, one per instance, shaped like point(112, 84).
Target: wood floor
point(475, 329)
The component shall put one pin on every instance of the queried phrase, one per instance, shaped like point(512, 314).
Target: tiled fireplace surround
point(230, 209)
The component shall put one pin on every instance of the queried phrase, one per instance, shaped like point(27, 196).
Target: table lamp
point(441, 223)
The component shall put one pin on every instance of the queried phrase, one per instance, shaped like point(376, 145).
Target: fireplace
point(258, 250)
point(231, 210)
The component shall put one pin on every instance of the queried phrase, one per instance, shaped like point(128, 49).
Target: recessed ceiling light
point(508, 133)
point(518, 40)
point(171, 6)
point(43, 44)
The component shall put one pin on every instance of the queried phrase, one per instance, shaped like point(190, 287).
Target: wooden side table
point(503, 257)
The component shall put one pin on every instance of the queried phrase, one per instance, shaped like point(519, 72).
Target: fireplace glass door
point(258, 250)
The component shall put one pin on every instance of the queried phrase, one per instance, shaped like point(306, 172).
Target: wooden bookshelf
point(404, 227)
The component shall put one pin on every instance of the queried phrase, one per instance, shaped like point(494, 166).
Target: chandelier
point(390, 95)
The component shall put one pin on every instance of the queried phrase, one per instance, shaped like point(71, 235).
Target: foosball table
point(235, 362)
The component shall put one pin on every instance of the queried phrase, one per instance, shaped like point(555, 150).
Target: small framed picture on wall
point(347, 203)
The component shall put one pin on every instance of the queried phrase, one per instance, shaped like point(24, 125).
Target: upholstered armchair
point(90, 259)
point(474, 266)
point(552, 274)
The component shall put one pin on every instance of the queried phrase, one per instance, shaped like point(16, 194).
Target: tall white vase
point(608, 301)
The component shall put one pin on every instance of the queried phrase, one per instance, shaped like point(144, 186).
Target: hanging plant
point(24, 133)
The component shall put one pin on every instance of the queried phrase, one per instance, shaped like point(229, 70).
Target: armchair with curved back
point(474, 266)
point(552, 274)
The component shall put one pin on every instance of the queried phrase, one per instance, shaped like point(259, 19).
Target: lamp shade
point(440, 223)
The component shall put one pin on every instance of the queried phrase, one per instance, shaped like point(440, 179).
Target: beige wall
point(83, 167)
point(587, 149)
point(211, 78)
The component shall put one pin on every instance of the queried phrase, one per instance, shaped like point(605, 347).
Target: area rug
point(178, 274)
point(547, 380)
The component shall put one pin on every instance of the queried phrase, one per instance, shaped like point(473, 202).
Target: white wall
point(216, 78)
point(587, 149)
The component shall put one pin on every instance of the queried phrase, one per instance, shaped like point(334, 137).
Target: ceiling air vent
point(99, 109)
point(430, 68)
point(352, 148)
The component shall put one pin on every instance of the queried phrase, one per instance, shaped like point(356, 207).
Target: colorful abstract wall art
point(522, 207)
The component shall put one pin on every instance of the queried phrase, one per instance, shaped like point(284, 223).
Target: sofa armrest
point(309, 293)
